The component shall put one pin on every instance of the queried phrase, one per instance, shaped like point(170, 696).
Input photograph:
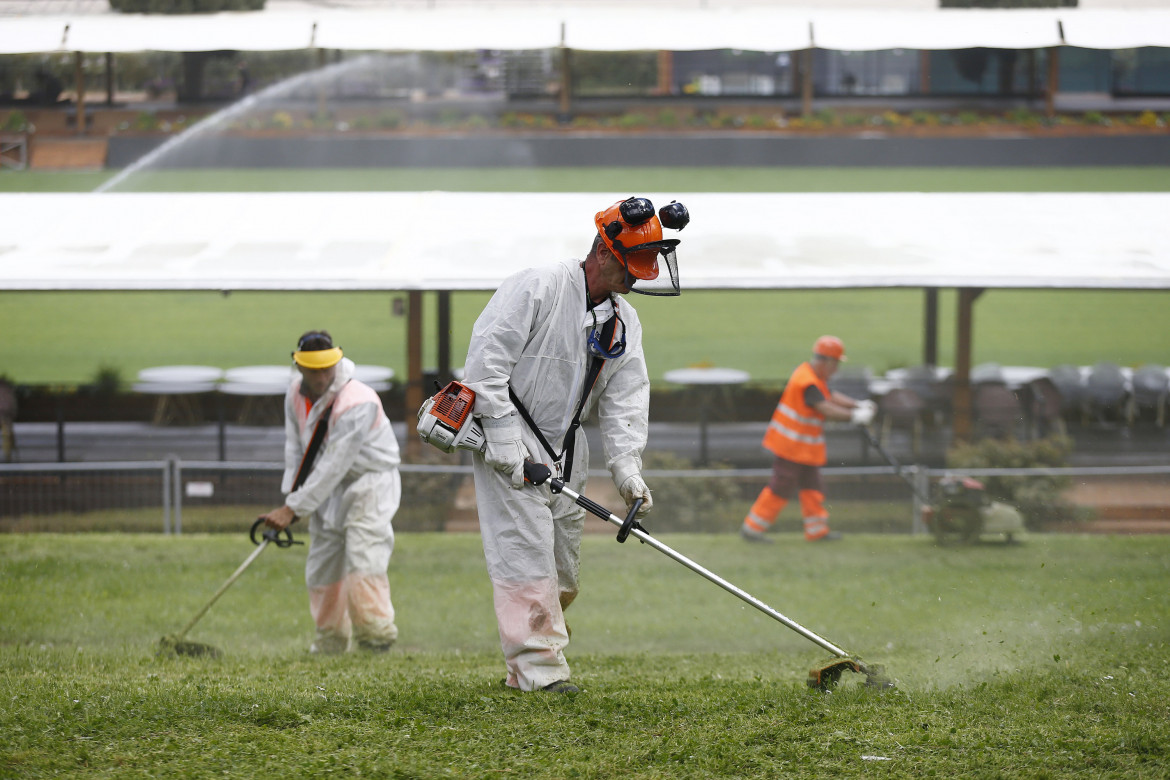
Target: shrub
point(281, 120)
point(107, 380)
point(1097, 118)
point(449, 117)
point(692, 504)
point(756, 122)
point(667, 118)
point(925, 118)
point(1025, 117)
point(633, 121)
point(1038, 498)
point(1149, 119)
point(390, 120)
point(145, 121)
point(15, 122)
point(826, 118)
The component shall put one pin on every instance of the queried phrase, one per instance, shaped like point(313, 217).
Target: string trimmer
point(174, 643)
point(445, 421)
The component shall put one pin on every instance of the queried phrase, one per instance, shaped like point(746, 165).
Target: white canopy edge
point(472, 241)
point(583, 27)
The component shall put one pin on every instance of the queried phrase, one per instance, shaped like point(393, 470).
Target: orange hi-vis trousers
point(768, 506)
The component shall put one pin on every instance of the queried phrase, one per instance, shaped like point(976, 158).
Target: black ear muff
point(613, 229)
point(635, 211)
point(674, 215)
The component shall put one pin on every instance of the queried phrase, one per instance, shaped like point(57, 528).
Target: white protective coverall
point(350, 496)
point(532, 334)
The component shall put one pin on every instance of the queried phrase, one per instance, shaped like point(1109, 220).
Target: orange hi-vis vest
point(796, 431)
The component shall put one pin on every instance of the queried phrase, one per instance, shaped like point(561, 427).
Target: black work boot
point(561, 686)
point(753, 536)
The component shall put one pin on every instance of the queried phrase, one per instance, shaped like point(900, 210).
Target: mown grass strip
point(1044, 659)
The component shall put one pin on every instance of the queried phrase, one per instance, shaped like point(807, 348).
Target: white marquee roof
point(629, 26)
point(468, 241)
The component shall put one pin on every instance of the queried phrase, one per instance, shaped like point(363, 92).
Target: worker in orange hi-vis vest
point(796, 437)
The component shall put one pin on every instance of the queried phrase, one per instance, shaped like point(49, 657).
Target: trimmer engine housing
point(445, 421)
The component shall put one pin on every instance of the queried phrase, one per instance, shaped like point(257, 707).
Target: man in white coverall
point(350, 497)
point(529, 363)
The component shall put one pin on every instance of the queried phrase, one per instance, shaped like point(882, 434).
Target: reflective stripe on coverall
point(796, 434)
point(350, 497)
point(532, 333)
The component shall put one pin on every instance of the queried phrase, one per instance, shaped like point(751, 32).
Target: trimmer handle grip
point(536, 473)
point(631, 522)
point(272, 535)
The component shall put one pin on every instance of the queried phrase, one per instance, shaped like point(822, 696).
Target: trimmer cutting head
point(825, 678)
point(169, 645)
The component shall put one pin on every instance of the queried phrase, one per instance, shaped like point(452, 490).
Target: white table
point(708, 379)
point(166, 374)
point(270, 375)
point(255, 383)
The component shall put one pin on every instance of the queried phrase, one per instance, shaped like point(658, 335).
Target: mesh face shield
point(664, 284)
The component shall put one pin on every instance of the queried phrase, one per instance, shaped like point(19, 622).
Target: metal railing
point(46, 489)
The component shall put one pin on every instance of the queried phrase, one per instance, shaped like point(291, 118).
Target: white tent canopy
point(582, 26)
point(471, 241)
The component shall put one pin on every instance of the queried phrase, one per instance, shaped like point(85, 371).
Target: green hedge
point(184, 6)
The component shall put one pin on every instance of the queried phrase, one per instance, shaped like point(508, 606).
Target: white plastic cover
point(584, 26)
point(405, 240)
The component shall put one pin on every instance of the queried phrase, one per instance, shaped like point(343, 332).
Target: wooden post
point(1053, 85)
point(79, 80)
point(414, 367)
point(930, 326)
point(665, 72)
point(321, 87)
point(806, 83)
point(564, 99)
point(963, 413)
point(1031, 75)
point(924, 72)
point(444, 335)
point(109, 78)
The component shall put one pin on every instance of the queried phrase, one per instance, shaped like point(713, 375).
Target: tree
point(184, 6)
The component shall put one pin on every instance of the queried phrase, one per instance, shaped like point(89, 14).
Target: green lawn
point(1042, 659)
point(67, 337)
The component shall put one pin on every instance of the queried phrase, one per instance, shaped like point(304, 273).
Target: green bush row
point(184, 6)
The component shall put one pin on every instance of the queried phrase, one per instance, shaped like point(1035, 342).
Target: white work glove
point(631, 486)
point(505, 452)
point(863, 413)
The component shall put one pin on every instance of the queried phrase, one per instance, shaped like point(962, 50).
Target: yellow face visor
point(317, 358)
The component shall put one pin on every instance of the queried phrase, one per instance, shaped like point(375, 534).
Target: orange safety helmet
point(633, 233)
point(830, 347)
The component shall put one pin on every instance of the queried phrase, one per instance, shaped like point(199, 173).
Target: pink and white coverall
point(350, 498)
point(532, 334)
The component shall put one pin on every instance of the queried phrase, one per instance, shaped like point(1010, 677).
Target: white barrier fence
point(45, 489)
